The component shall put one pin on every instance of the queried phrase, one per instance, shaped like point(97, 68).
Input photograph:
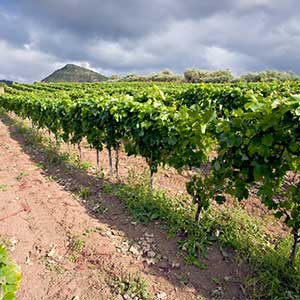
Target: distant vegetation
point(163, 76)
point(7, 82)
point(268, 75)
point(207, 76)
point(73, 73)
point(218, 76)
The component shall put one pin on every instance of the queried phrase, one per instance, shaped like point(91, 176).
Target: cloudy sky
point(141, 36)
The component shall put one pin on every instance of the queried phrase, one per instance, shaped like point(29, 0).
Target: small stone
point(75, 298)
point(108, 234)
point(28, 261)
point(13, 242)
point(146, 247)
point(161, 295)
point(150, 261)
point(151, 254)
point(149, 235)
point(52, 252)
point(134, 250)
point(175, 265)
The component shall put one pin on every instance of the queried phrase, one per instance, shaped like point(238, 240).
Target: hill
point(73, 73)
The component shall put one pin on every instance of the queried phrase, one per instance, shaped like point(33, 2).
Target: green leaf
point(267, 140)
point(220, 199)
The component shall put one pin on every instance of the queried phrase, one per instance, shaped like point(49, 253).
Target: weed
point(132, 287)
point(84, 166)
point(52, 265)
point(84, 192)
point(22, 175)
point(90, 231)
point(3, 187)
point(147, 205)
point(100, 174)
point(184, 279)
point(41, 165)
point(73, 258)
point(99, 208)
point(77, 163)
point(6, 242)
point(76, 247)
point(52, 178)
point(216, 280)
point(217, 294)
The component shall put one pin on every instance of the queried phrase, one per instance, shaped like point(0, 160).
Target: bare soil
point(71, 248)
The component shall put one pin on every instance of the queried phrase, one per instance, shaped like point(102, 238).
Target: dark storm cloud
point(114, 19)
point(144, 36)
point(12, 30)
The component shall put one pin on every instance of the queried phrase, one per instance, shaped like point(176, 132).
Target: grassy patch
point(76, 246)
point(131, 287)
point(84, 192)
point(176, 214)
point(3, 187)
point(22, 175)
point(52, 265)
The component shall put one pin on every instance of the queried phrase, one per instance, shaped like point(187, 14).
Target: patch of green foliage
point(148, 205)
point(84, 192)
point(3, 187)
point(131, 287)
point(10, 276)
point(76, 246)
point(21, 175)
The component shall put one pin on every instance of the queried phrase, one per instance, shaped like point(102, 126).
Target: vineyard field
point(212, 147)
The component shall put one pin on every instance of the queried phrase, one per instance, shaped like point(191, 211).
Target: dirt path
point(75, 249)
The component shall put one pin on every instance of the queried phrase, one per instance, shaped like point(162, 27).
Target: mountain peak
point(74, 73)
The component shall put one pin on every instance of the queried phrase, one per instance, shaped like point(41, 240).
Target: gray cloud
point(12, 30)
point(143, 36)
point(114, 19)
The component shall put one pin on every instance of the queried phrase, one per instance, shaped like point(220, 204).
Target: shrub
point(10, 276)
point(197, 76)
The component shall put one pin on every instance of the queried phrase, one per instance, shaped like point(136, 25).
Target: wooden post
point(1, 89)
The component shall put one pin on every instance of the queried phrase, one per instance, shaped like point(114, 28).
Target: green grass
point(22, 175)
point(3, 187)
point(76, 246)
point(131, 287)
point(84, 192)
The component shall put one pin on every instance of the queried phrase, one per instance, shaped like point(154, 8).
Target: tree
point(197, 76)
